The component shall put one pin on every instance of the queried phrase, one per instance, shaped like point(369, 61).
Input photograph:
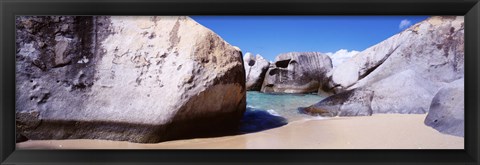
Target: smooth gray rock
point(406, 70)
point(255, 69)
point(433, 48)
point(354, 102)
point(138, 79)
point(406, 92)
point(447, 109)
point(297, 72)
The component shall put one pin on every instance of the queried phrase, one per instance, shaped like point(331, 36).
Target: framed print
point(239, 82)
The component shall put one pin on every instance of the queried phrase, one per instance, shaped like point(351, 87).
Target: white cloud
point(404, 24)
point(341, 56)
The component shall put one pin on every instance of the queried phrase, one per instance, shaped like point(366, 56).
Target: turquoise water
point(267, 111)
point(284, 105)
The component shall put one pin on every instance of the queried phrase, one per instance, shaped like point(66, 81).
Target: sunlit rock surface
point(255, 69)
point(139, 79)
point(406, 70)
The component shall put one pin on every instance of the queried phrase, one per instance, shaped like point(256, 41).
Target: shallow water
point(267, 111)
point(284, 105)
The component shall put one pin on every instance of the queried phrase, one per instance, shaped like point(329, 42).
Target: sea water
point(284, 105)
point(266, 111)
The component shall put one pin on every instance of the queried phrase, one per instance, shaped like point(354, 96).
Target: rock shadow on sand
point(255, 120)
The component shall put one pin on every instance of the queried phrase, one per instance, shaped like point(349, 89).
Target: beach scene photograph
point(239, 82)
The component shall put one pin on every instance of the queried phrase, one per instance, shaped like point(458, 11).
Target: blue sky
point(272, 35)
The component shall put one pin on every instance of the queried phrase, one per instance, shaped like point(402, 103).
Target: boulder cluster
point(418, 71)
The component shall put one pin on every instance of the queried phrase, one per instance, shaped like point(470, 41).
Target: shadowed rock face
point(354, 102)
point(297, 73)
point(406, 70)
point(255, 69)
point(447, 109)
point(138, 79)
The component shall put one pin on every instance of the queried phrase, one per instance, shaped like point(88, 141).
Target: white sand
point(385, 131)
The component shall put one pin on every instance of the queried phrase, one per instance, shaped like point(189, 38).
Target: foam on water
point(273, 112)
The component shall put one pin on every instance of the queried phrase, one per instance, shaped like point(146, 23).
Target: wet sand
point(383, 131)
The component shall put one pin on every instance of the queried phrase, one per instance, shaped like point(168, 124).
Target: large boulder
point(406, 70)
point(255, 69)
point(354, 102)
point(447, 109)
point(405, 92)
point(433, 48)
point(297, 72)
point(138, 79)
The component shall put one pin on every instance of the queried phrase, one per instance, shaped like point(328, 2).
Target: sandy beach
point(380, 131)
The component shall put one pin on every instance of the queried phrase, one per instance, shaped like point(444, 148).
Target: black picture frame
point(10, 8)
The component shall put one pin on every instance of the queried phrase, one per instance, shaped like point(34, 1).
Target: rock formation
point(406, 70)
point(255, 69)
point(138, 79)
point(447, 109)
point(355, 102)
point(297, 73)
point(433, 48)
point(405, 92)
